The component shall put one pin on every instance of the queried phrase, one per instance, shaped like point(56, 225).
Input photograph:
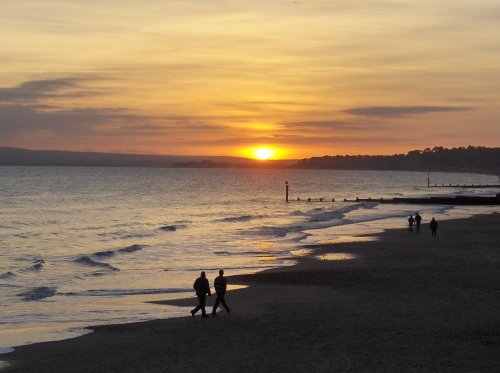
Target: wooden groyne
point(469, 186)
point(316, 199)
point(457, 200)
point(440, 200)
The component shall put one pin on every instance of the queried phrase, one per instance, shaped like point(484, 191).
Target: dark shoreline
point(479, 160)
point(407, 303)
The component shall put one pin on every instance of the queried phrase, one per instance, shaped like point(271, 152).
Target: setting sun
point(263, 153)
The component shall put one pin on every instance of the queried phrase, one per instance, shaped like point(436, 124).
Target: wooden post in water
point(286, 191)
point(428, 181)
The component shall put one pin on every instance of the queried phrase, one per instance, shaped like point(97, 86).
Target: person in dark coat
point(433, 226)
point(418, 220)
point(220, 285)
point(202, 288)
point(411, 221)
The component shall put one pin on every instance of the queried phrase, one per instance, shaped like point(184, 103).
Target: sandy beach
point(402, 302)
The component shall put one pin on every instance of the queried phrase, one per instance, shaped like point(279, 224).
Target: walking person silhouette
point(202, 288)
point(418, 220)
point(433, 226)
point(220, 285)
point(411, 221)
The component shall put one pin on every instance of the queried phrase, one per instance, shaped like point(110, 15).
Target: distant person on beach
point(411, 221)
point(220, 285)
point(418, 220)
point(202, 288)
point(433, 226)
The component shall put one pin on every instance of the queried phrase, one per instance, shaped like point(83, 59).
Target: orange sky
point(223, 76)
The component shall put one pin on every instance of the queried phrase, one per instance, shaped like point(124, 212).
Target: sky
point(221, 77)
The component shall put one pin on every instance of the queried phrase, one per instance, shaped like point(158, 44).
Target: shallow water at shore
point(87, 246)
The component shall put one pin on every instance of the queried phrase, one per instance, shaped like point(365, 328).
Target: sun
point(263, 153)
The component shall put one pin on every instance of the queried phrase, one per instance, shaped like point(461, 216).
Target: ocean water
point(84, 246)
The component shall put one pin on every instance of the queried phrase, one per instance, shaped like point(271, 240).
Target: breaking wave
point(276, 231)
point(317, 218)
point(226, 268)
point(174, 227)
point(299, 237)
point(222, 253)
point(325, 216)
point(108, 253)
point(137, 235)
point(7, 275)
point(235, 219)
point(169, 228)
point(86, 260)
point(125, 292)
point(39, 293)
point(130, 249)
point(104, 254)
point(249, 253)
point(38, 265)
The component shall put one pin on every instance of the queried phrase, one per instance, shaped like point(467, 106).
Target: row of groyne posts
point(460, 185)
point(308, 199)
point(315, 199)
point(381, 199)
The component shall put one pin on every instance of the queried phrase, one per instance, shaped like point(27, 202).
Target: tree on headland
point(469, 158)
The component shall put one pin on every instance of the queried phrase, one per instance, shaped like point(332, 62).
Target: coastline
point(406, 302)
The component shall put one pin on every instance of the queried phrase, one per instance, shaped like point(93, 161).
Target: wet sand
point(405, 302)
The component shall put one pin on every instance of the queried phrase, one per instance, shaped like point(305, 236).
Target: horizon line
point(132, 153)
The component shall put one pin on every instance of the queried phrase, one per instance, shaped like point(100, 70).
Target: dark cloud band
point(398, 111)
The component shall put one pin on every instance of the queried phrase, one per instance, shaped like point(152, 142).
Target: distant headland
point(460, 159)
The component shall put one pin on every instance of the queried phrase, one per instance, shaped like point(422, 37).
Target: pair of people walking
point(202, 288)
point(414, 220)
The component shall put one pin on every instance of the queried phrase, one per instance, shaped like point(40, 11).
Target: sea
point(82, 246)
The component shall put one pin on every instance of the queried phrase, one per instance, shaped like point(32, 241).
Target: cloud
point(36, 90)
point(79, 121)
point(399, 111)
point(90, 123)
point(289, 140)
point(38, 106)
point(34, 107)
point(327, 125)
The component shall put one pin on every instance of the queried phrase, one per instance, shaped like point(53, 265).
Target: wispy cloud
point(399, 111)
point(36, 90)
point(79, 121)
point(295, 140)
point(327, 125)
point(37, 107)
point(100, 122)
